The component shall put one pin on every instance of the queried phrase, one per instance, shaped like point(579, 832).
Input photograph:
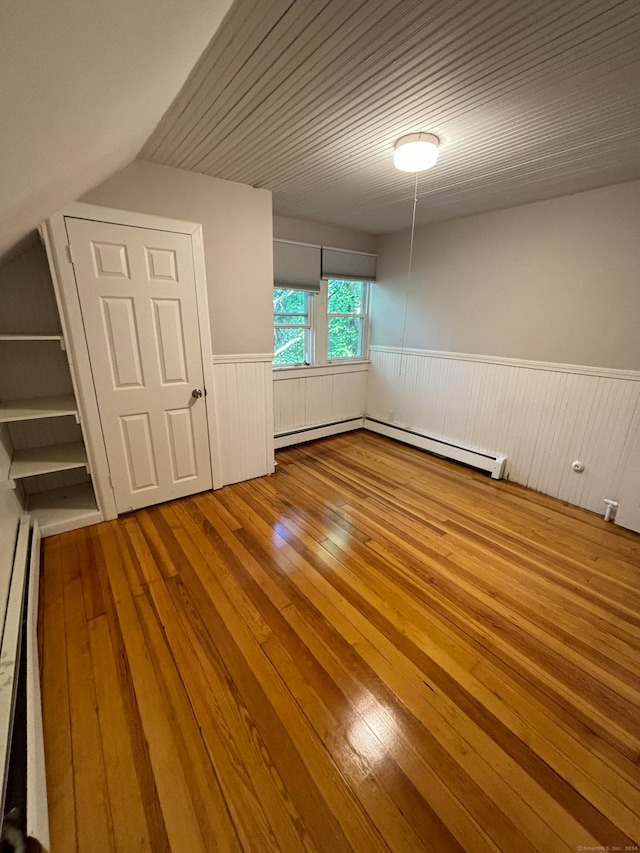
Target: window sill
point(355, 366)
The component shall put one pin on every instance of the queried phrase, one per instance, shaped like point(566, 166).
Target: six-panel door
point(138, 299)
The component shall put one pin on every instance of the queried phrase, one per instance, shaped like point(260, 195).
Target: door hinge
point(70, 255)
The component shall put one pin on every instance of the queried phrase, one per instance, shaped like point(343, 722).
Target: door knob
point(197, 393)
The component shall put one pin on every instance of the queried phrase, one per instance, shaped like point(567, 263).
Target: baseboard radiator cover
point(493, 464)
point(311, 433)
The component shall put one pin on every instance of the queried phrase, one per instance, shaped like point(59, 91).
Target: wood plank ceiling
point(530, 100)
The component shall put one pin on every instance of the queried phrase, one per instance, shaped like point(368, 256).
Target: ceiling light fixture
point(413, 153)
point(416, 152)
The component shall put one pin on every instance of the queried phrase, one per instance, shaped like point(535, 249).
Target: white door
point(138, 299)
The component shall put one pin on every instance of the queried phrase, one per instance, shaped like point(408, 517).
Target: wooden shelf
point(31, 338)
point(64, 509)
point(45, 460)
point(40, 407)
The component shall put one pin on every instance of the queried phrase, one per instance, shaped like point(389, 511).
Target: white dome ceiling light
point(416, 152)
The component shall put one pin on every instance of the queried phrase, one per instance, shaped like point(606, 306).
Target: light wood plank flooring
point(373, 649)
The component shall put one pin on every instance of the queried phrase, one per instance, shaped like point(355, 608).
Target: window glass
point(345, 318)
point(345, 337)
point(289, 301)
point(344, 297)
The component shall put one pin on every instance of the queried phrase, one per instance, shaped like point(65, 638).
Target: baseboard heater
point(23, 791)
point(297, 436)
point(494, 465)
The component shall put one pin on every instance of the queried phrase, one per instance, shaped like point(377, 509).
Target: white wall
point(237, 230)
point(84, 86)
point(501, 308)
point(303, 231)
point(555, 281)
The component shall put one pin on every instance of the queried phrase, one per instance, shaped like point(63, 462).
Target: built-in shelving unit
point(65, 508)
point(58, 338)
point(43, 434)
point(45, 460)
point(39, 407)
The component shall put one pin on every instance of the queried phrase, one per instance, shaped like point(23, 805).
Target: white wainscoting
point(540, 416)
point(243, 399)
point(310, 397)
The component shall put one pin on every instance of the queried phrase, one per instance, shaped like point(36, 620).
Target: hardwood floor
point(373, 649)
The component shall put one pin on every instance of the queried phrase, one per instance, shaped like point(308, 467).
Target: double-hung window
point(320, 304)
point(346, 319)
point(291, 326)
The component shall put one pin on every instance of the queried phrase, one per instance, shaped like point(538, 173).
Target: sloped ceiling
point(82, 85)
point(307, 97)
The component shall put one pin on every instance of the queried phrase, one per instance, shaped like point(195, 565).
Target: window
point(291, 327)
point(346, 314)
point(329, 326)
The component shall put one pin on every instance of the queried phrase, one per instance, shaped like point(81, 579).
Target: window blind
point(347, 265)
point(296, 266)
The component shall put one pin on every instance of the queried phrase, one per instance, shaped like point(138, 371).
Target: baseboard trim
point(494, 465)
point(286, 439)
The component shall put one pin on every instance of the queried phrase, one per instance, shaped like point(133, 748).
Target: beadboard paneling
point(243, 398)
point(310, 400)
point(541, 417)
point(628, 493)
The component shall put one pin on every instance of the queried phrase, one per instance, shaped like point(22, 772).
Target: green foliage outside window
point(345, 332)
point(289, 346)
point(289, 302)
point(290, 308)
point(345, 337)
point(344, 297)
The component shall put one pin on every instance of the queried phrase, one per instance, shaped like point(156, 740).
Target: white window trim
point(309, 326)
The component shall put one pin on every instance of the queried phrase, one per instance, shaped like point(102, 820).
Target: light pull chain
point(406, 296)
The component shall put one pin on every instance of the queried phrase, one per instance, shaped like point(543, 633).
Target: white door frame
point(54, 234)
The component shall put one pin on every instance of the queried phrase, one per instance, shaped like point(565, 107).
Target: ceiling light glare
point(416, 152)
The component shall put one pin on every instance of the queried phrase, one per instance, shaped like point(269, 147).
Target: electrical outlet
point(391, 415)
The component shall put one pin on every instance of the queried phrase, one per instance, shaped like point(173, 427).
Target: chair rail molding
point(609, 372)
point(242, 357)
